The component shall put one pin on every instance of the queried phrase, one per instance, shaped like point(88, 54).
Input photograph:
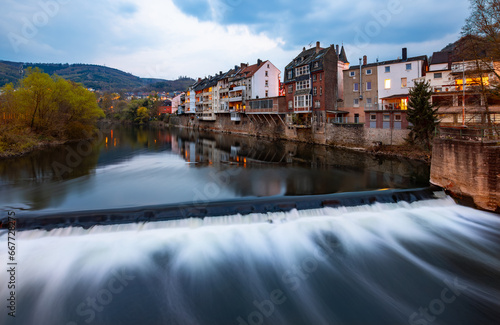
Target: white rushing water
point(382, 264)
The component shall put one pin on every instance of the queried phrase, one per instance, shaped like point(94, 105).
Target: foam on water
point(365, 264)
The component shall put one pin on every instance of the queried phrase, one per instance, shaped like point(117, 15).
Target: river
point(425, 262)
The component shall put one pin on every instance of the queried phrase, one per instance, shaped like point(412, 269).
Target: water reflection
point(139, 166)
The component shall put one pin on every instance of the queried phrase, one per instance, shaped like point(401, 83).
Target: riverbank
point(351, 137)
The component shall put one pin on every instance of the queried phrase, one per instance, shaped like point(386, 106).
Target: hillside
point(94, 76)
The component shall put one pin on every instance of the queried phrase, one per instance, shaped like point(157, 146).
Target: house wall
point(398, 71)
point(259, 80)
point(350, 94)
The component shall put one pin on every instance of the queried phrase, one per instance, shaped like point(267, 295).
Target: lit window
point(408, 66)
point(403, 82)
point(387, 84)
point(388, 69)
point(438, 75)
point(356, 87)
point(369, 85)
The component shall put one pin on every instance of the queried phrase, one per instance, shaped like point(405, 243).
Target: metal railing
point(469, 132)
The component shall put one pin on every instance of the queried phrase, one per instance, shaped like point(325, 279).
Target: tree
point(142, 115)
point(421, 114)
point(480, 44)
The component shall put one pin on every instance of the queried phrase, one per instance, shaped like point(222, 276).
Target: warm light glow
point(404, 104)
point(387, 83)
point(106, 140)
point(473, 81)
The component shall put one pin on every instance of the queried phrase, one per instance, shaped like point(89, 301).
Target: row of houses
point(320, 86)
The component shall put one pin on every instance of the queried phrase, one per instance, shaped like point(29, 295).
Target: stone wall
point(272, 127)
point(468, 169)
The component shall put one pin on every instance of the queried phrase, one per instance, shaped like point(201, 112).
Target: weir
point(86, 219)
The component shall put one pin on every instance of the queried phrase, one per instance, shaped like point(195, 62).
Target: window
point(268, 66)
point(403, 83)
point(397, 117)
point(356, 86)
point(320, 91)
point(387, 117)
point(267, 73)
point(388, 69)
point(303, 101)
point(315, 77)
point(267, 93)
point(368, 104)
point(320, 76)
point(317, 104)
point(368, 85)
point(356, 102)
point(267, 83)
point(315, 91)
point(316, 64)
point(290, 74)
point(304, 84)
point(438, 75)
point(373, 117)
point(302, 70)
point(368, 71)
point(408, 66)
point(290, 104)
point(352, 73)
point(290, 89)
point(438, 89)
point(387, 84)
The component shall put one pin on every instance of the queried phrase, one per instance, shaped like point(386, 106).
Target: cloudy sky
point(169, 38)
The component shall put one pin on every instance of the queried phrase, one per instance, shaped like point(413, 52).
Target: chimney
point(220, 73)
point(337, 48)
point(304, 49)
point(365, 60)
point(317, 47)
point(405, 54)
point(259, 62)
point(244, 65)
point(199, 79)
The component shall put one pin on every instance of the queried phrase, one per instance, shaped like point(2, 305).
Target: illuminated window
point(404, 82)
point(387, 83)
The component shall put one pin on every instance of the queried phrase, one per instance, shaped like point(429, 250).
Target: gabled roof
point(307, 56)
point(440, 57)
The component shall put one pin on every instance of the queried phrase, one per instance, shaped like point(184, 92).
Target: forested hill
point(94, 76)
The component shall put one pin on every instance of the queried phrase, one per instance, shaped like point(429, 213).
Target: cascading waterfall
point(427, 262)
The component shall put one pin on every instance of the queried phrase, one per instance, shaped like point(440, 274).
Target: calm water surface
point(138, 167)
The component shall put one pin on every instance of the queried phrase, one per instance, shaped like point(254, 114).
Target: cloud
point(168, 38)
